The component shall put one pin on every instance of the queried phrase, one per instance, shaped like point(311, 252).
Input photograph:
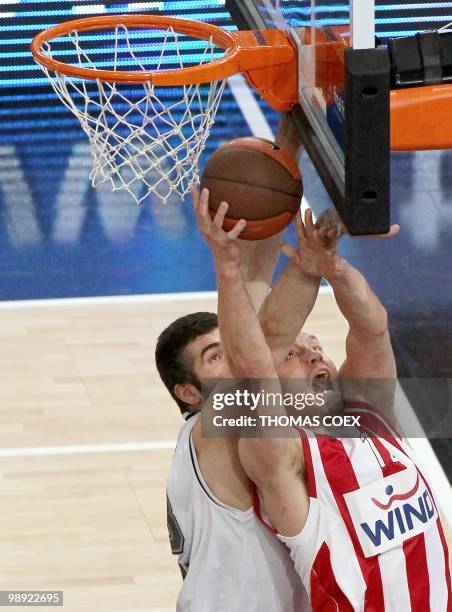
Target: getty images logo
point(401, 519)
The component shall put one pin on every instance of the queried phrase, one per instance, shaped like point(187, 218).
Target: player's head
point(188, 351)
point(306, 360)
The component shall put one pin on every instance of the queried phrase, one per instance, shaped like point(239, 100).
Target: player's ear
point(188, 393)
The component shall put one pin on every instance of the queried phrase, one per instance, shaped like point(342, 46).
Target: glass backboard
point(336, 46)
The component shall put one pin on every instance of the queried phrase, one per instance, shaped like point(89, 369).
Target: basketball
point(260, 182)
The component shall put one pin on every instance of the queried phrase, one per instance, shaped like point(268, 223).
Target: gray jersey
point(229, 560)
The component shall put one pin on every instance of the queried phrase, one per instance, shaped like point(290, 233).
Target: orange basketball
point(260, 182)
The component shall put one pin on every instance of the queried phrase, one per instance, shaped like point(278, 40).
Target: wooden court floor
point(82, 507)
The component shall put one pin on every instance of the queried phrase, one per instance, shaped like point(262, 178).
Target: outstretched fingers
point(201, 207)
point(237, 229)
point(220, 215)
point(195, 197)
point(299, 226)
point(308, 221)
point(328, 235)
point(394, 229)
point(333, 233)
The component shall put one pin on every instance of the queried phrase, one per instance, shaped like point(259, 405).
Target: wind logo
point(403, 496)
point(382, 524)
point(401, 520)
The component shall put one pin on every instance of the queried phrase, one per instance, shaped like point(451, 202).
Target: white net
point(143, 138)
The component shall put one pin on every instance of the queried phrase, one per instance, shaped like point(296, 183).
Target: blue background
point(62, 238)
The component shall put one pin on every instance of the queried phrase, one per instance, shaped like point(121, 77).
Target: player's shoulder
point(188, 426)
point(180, 479)
point(183, 447)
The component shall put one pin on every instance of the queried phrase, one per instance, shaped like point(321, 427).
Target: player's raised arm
point(293, 296)
point(235, 309)
point(274, 464)
point(370, 358)
point(257, 264)
point(368, 345)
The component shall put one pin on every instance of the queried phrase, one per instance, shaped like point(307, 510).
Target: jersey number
point(176, 537)
point(366, 438)
point(175, 534)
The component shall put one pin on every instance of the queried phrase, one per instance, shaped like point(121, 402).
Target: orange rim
point(267, 58)
point(213, 71)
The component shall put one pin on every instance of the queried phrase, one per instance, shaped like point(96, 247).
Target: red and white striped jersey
point(373, 539)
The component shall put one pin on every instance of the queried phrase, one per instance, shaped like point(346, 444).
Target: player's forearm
point(259, 257)
point(358, 303)
point(245, 347)
point(257, 263)
point(287, 307)
point(288, 137)
point(249, 357)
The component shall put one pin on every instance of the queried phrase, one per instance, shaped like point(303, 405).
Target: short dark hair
point(171, 362)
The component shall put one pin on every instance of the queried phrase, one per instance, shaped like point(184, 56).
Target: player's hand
point(316, 253)
point(332, 225)
point(330, 219)
point(224, 245)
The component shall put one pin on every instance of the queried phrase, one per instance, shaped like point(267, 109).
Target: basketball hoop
point(138, 141)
